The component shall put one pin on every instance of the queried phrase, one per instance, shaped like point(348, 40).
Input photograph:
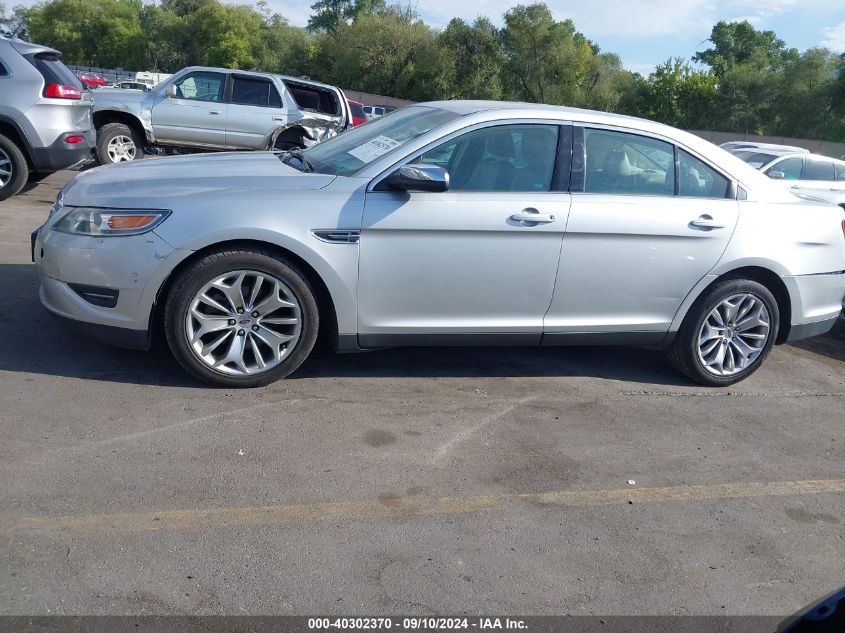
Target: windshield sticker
point(369, 151)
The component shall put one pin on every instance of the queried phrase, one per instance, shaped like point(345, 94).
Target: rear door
point(255, 110)
point(196, 115)
point(818, 178)
point(648, 221)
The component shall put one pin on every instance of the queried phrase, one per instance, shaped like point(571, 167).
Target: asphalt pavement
point(447, 481)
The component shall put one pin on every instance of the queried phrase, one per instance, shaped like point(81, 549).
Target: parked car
point(217, 109)
point(132, 85)
point(45, 115)
point(357, 110)
point(447, 223)
point(373, 112)
point(803, 173)
point(745, 145)
point(92, 80)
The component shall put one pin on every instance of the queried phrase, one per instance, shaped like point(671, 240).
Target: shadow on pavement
point(46, 345)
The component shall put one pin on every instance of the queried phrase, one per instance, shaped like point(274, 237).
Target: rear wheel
point(241, 318)
point(13, 168)
point(117, 143)
point(727, 333)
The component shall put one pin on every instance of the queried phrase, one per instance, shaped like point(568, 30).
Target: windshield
point(347, 153)
point(754, 158)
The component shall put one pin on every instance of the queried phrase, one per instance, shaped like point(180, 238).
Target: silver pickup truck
point(202, 108)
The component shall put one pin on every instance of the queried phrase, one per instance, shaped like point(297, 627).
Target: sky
point(643, 33)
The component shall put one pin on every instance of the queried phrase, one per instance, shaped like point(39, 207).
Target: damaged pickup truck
point(202, 109)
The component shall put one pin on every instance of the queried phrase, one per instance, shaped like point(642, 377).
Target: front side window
point(501, 158)
point(815, 169)
point(840, 171)
point(201, 86)
point(622, 163)
point(699, 180)
point(255, 92)
point(789, 167)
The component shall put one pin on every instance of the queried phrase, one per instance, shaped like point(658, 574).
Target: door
point(479, 259)
point(642, 232)
point(196, 114)
point(818, 179)
point(255, 110)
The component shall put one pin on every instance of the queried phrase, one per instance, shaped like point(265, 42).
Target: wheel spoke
point(274, 301)
point(235, 354)
point(259, 359)
point(234, 291)
point(208, 349)
point(216, 304)
point(256, 288)
point(208, 324)
point(734, 334)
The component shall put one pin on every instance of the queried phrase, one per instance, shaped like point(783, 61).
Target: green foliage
point(744, 81)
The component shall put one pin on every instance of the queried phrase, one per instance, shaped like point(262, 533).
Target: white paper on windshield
point(372, 149)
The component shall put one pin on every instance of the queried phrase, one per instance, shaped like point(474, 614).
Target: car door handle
point(278, 118)
point(706, 222)
point(532, 215)
point(212, 112)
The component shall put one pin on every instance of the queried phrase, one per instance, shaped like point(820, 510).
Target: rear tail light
point(60, 91)
point(73, 139)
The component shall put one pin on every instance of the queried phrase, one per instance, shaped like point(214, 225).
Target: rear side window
point(255, 92)
point(357, 111)
point(699, 180)
point(622, 163)
point(815, 169)
point(840, 171)
point(53, 70)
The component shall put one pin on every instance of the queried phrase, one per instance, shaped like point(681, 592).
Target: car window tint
point(789, 167)
point(840, 171)
point(255, 92)
point(699, 180)
point(500, 158)
point(3, 70)
point(815, 169)
point(623, 163)
point(201, 86)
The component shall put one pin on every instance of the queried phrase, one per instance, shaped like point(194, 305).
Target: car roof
point(27, 48)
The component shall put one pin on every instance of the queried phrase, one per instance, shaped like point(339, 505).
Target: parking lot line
point(390, 507)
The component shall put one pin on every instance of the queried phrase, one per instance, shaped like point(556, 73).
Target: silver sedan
point(447, 223)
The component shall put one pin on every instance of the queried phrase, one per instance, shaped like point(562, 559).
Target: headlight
point(109, 222)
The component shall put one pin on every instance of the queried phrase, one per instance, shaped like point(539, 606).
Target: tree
point(476, 59)
point(681, 96)
point(737, 43)
point(330, 14)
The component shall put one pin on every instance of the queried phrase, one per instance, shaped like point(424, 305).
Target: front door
point(478, 261)
point(637, 241)
point(196, 114)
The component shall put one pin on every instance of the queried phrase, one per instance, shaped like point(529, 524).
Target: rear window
point(255, 92)
point(316, 98)
point(53, 70)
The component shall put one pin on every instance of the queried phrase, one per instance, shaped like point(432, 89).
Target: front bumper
point(132, 268)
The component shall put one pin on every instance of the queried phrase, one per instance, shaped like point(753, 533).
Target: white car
point(803, 173)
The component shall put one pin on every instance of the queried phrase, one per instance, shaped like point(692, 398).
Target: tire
point(238, 271)
point(12, 161)
point(688, 357)
point(132, 147)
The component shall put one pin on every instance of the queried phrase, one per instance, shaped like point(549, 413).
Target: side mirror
point(419, 178)
point(170, 91)
point(777, 175)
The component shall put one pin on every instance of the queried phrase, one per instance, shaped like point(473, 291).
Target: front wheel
point(117, 143)
point(241, 318)
point(727, 333)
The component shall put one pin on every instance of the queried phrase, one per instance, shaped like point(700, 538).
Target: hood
point(127, 100)
point(160, 182)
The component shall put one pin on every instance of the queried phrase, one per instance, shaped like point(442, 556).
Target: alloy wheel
point(5, 168)
point(121, 148)
point(243, 322)
point(734, 334)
